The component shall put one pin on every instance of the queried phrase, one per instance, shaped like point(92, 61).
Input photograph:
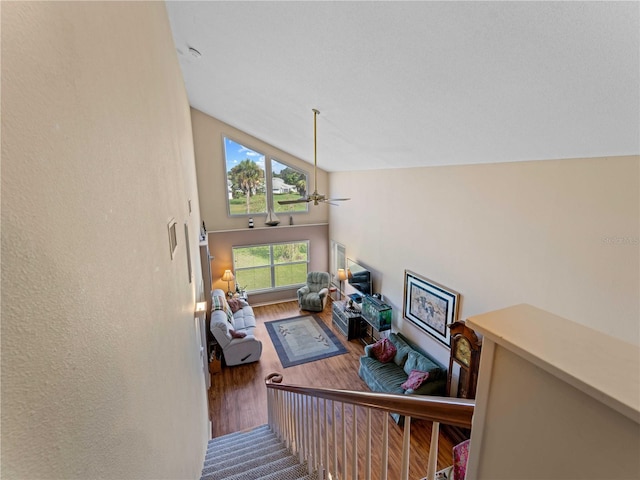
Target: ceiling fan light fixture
point(315, 197)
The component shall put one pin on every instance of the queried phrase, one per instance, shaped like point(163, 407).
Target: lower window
point(275, 265)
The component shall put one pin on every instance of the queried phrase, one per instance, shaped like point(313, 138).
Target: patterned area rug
point(303, 339)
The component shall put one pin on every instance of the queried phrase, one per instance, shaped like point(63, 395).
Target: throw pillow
point(417, 361)
point(383, 350)
point(234, 304)
point(415, 379)
point(402, 350)
point(220, 303)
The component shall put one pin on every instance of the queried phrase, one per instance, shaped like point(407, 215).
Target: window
point(246, 192)
point(276, 265)
point(255, 185)
point(288, 183)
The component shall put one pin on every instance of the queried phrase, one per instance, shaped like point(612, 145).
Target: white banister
point(433, 452)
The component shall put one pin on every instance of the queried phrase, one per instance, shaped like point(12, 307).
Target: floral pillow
point(383, 350)
point(415, 379)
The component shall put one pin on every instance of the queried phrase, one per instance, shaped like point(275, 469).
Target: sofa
point(388, 377)
point(234, 331)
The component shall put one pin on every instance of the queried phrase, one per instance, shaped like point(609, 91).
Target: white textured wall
point(560, 235)
point(101, 376)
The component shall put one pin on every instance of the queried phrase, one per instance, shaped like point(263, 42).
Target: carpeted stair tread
point(247, 462)
point(241, 447)
point(260, 470)
point(255, 454)
point(244, 433)
point(247, 456)
point(295, 472)
point(234, 437)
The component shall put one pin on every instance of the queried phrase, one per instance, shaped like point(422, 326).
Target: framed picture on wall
point(429, 305)
point(173, 237)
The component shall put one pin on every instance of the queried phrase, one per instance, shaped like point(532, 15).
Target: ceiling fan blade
point(337, 199)
point(290, 202)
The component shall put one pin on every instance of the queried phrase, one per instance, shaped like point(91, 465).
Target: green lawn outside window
point(263, 267)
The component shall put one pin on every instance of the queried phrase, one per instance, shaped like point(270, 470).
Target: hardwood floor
point(238, 397)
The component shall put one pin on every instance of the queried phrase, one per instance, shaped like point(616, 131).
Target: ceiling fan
point(315, 197)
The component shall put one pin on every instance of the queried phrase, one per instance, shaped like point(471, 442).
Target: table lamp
point(227, 276)
point(342, 276)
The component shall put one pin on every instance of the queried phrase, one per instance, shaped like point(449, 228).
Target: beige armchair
point(313, 296)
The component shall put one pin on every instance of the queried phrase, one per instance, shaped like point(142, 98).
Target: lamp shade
point(342, 275)
point(227, 276)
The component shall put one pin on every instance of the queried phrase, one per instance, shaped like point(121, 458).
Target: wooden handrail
point(448, 410)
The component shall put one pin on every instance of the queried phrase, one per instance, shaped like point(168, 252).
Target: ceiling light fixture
point(315, 197)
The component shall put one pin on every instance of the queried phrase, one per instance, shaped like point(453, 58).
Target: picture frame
point(430, 306)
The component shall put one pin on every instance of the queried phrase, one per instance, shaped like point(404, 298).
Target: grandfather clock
point(465, 352)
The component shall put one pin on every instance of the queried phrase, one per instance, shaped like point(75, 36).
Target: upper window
point(246, 192)
point(288, 183)
point(254, 184)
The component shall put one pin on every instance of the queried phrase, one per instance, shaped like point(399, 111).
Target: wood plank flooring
point(238, 398)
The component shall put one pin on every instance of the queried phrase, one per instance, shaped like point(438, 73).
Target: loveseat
point(388, 377)
point(234, 330)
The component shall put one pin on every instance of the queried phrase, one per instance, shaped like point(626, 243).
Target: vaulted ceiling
point(403, 84)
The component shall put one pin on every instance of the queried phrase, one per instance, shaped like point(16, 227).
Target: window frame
point(272, 266)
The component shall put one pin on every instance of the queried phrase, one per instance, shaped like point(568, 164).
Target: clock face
point(462, 351)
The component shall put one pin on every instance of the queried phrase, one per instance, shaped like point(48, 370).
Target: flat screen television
point(358, 277)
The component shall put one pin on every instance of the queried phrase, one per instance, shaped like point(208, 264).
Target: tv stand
point(348, 321)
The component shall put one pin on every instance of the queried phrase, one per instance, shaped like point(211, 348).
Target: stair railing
point(294, 414)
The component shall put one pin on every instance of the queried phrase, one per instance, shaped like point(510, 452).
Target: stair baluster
point(334, 441)
point(354, 443)
point(406, 440)
point(433, 451)
point(385, 450)
point(344, 442)
point(367, 471)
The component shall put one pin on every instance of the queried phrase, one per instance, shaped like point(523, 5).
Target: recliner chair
point(313, 296)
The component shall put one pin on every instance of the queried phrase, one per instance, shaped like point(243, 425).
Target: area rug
point(303, 339)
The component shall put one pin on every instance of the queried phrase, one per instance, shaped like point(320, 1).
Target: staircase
point(250, 455)
point(301, 442)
